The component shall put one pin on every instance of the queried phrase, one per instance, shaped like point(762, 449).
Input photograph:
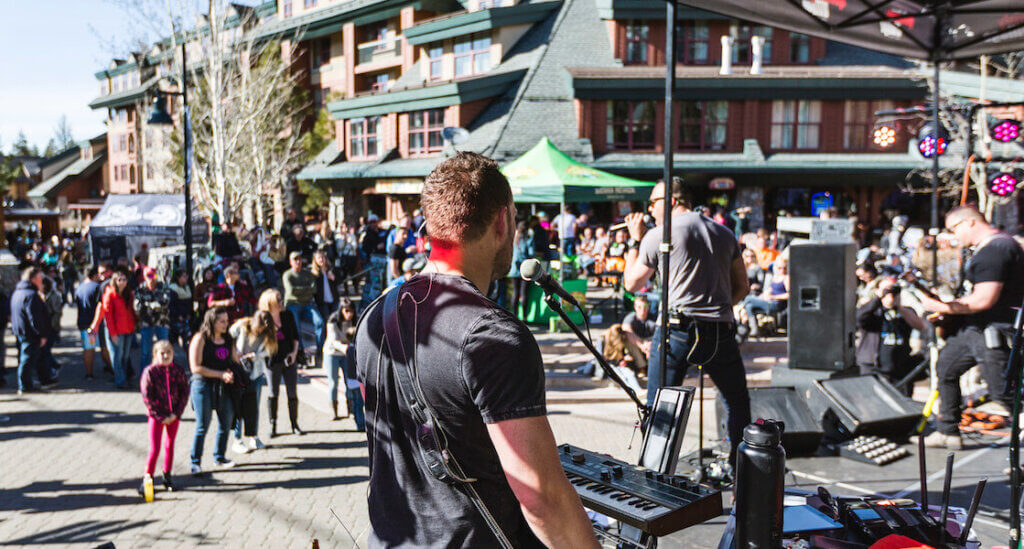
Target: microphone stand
point(555, 304)
point(1013, 377)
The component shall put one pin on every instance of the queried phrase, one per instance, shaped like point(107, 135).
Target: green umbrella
point(546, 174)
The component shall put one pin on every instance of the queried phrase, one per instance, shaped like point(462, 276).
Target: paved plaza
point(72, 458)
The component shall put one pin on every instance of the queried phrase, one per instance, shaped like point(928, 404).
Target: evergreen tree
point(316, 192)
point(62, 136)
point(22, 148)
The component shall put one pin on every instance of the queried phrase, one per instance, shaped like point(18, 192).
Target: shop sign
point(722, 184)
point(821, 202)
point(399, 187)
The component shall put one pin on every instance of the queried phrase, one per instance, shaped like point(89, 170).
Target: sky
point(49, 51)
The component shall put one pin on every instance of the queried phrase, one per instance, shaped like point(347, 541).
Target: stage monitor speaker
point(870, 405)
point(803, 431)
point(822, 300)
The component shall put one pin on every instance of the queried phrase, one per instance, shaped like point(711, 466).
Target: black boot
point(168, 485)
point(293, 415)
point(272, 414)
point(334, 408)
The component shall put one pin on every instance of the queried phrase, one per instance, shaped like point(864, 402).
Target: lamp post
point(159, 117)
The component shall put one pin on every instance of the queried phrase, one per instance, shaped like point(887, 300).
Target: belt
point(678, 320)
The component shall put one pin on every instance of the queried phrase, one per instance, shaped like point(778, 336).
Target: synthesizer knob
point(579, 457)
point(606, 474)
point(649, 473)
point(617, 470)
point(660, 477)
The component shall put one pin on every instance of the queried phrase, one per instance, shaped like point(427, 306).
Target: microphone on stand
point(531, 271)
point(648, 220)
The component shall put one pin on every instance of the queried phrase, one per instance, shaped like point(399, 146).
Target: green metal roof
point(123, 68)
point(962, 84)
point(647, 9)
point(331, 19)
point(267, 8)
point(124, 97)
point(404, 167)
point(823, 163)
point(463, 23)
point(426, 97)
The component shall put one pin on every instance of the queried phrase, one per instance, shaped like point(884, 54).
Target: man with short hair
point(706, 277)
point(87, 297)
point(152, 313)
point(566, 224)
point(233, 294)
point(639, 327)
point(397, 254)
point(30, 322)
point(996, 274)
point(301, 242)
point(480, 372)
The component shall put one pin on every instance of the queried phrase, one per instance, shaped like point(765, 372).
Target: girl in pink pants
point(165, 391)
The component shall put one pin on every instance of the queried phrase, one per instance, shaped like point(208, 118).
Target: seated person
point(585, 250)
point(772, 300)
point(885, 326)
point(638, 327)
point(755, 276)
point(616, 257)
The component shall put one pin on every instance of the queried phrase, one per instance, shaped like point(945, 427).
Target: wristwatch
point(632, 244)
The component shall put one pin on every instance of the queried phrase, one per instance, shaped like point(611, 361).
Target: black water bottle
point(760, 479)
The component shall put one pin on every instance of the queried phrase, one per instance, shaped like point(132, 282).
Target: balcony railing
point(379, 50)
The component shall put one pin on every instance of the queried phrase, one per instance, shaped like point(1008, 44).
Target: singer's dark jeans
point(961, 353)
point(725, 369)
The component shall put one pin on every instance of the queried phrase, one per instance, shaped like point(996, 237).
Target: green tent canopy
point(546, 174)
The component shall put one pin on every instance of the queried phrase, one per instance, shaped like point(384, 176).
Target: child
point(165, 391)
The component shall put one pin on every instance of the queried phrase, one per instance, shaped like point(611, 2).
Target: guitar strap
point(430, 438)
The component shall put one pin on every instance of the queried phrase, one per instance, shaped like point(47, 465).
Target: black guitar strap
point(430, 439)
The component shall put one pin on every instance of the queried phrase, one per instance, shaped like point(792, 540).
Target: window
point(799, 48)
point(149, 139)
point(131, 144)
point(741, 53)
point(425, 131)
point(123, 143)
point(131, 175)
point(857, 122)
point(321, 53)
point(149, 171)
point(702, 125)
point(286, 8)
point(380, 82)
point(362, 137)
point(436, 68)
point(630, 125)
point(637, 34)
point(796, 124)
point(473, 54)
point(309, 4)
point(694, 43)
point(104, 88)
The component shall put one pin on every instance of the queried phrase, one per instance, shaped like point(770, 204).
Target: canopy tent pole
point(666, 233)
point(561, 220)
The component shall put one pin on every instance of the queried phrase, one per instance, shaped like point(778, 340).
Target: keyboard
point(655, 503)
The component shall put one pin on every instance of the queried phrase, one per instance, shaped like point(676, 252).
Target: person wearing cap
point(234, 295)
point(299, 296)
point(300, 242)
point(410, 268)
point(152, 313)
point(373, 241)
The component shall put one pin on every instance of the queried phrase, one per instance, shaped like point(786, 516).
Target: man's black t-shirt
point(476, 364)
point(999, 260)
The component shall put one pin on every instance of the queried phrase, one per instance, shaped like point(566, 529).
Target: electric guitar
point(945, 325)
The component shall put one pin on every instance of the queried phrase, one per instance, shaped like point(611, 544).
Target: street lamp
point(159, 117)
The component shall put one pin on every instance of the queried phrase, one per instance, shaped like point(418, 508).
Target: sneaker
point(49, 384)
point(994, 407)
point(34, 390)
point(255, 443)
point(225, 463)
point(168, 485)
point(942, 440)
point(90, 377)
point(240, 447)
point(196, 470)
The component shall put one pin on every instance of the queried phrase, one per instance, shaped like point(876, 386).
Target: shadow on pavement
point(212, 482)
point(79, 532)
point(322, 445)
point(72, 417)
point(66, 497)
point(56, 432)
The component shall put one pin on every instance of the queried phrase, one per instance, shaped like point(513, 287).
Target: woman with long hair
point(521, 251)
point(337, 351)
point(210, 356)
point(326, 295)
point(119, 318)
point(282, 362)
point(255, 342)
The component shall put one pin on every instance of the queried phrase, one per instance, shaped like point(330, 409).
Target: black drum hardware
point(653, 502)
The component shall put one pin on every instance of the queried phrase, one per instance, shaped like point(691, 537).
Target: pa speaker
point(870, 405)
point(822, 299)
point(802, 434)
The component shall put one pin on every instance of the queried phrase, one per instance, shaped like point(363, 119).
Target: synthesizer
point(655, 503)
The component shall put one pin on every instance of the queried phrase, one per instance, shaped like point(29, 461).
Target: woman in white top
point(255, 343)
point(337, 357)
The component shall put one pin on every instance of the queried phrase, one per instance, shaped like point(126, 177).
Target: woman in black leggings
point(282, 363)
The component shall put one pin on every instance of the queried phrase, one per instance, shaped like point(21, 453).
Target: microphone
point(531, 271)
point(648, 220)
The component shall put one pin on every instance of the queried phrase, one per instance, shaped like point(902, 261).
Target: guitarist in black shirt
point(996, 276)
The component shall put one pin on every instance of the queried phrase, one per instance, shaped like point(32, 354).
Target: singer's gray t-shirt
point(699, 265)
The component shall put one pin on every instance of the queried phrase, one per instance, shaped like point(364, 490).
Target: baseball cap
point(295, 255)
point(372, 217)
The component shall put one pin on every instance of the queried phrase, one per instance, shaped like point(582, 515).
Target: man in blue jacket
point(30, 322)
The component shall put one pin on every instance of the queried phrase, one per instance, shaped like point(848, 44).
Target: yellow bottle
point(147, 488)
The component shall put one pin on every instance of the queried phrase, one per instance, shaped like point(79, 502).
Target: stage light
point(929, 144)
point(1003, 183)
point(1005, 130)
point(884, 135)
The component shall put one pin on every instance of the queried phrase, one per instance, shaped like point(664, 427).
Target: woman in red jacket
point(119, 317)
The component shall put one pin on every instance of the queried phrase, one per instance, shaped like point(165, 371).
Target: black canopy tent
point(128, 221)
point(930, 30)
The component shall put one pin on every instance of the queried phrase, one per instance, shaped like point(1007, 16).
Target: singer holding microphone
point(479, 372)
point(706, 278)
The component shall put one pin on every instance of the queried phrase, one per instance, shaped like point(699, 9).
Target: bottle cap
point(763, 432)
